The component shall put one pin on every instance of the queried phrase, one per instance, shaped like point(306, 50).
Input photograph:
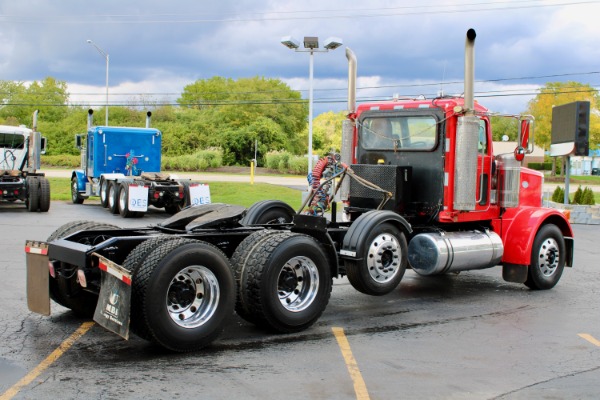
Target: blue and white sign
point(199, 194)
point(138, 198)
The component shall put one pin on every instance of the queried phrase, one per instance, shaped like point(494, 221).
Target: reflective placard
point(138, 198)
point(199, 194)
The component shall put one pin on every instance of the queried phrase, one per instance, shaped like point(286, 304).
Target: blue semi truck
point(122, 166)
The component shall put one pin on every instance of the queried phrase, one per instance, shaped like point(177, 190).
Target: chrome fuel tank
point(442, 252)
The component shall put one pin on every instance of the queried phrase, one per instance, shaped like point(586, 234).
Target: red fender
point(519, 227)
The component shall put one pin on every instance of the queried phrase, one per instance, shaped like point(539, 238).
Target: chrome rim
point(548, 257)
point(193, 296)
point(111, 196)
point(123, 199)
point(298, 283)
point(103, 190)
point(74, 190)
point(383, 258)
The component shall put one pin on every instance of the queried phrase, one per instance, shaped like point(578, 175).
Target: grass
point(239, 193)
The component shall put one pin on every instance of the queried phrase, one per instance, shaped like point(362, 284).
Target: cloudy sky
point(408, 47)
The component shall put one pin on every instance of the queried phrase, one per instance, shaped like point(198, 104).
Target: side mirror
point(43, 144)
point(525, 138)
point(78, 141)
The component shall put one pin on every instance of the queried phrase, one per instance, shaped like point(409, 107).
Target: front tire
point(184, 292)
point(383, 262)
point(287, 282)
point(548, 257)
point(76, 198)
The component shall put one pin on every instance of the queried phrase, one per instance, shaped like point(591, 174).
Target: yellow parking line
point(55, 355)
point(590, 338)
point(359, 384)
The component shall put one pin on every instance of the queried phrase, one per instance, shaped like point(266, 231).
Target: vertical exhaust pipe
point(467, 137)
point(351, 80)
point(90, 119)
point(148, 118)
point(470, 71)
point(348, 125)
point(33, 154)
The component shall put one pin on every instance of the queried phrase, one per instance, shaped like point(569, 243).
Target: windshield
point(11, 141)
point(398, 132)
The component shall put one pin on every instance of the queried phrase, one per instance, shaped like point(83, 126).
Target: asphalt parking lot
point(466, 336)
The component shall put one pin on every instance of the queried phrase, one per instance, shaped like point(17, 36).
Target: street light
point(105, 55)
point(311, 44)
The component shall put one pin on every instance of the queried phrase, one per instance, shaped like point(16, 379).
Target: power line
point(281, 101)
point(412, 85)
point(329, 14)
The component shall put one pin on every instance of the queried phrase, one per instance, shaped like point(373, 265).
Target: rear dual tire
point(284, 281)
point(182, 293)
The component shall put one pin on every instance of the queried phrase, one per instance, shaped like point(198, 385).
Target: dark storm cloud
point(161, 46)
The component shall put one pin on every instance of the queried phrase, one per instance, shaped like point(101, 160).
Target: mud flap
point(112, 311)
point(38, 277)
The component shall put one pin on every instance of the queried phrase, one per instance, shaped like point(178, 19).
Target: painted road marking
point(359, 384)
point(55, 355)
point(590, 338)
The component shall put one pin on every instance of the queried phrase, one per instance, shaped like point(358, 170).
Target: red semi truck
point(422, 189)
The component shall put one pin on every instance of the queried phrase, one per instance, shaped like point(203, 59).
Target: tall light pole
point(311, 46)
point(105, 55)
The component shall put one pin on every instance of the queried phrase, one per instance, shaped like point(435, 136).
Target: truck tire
point(113, 197)
point(380, 269)
point(123, 202)
point(104, 192)
point(268, 212)
point(548, 257)
point(238, 262)
point(132, 262)
point(288, 282)
point(183, 294)
point(33, 194)
point(173, 209)
point(66, 291)
point(44, 199)
point(76, 198)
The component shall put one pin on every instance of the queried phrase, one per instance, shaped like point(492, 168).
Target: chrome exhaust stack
point(90, 119)
point(148, 118)
point(33, 153)
point(467, 137)
point(349, 124)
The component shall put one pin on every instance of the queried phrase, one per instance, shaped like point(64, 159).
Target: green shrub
point(298, 165)
point(558, 196)
point(546, 166)
point(578, 197)
point(273, 158)
point(62, 161)
point(199, 161)
point(588, 196)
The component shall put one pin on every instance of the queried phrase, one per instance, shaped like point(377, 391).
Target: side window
point(483, 144)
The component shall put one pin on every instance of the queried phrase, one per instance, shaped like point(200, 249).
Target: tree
point(235, 113)
point(556, 94)
point(49, 96)
point(327, 132)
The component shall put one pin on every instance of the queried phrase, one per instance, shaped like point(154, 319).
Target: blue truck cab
point(122, 166)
